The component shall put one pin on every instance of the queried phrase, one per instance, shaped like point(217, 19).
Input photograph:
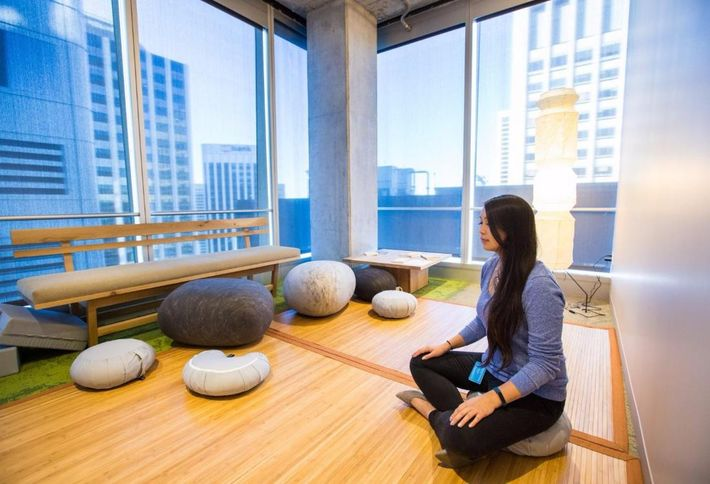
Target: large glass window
point(506, 111)
point(292, 137)
point(62, 149)
point(420, 117)
point(204, 110)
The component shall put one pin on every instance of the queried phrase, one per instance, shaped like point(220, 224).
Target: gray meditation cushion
point(112, 363)
point(215, 374)
point(217, 312)
point(319, 288)
point(371, 280)
point(545, 443)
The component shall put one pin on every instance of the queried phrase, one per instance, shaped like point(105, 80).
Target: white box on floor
point(9, 360)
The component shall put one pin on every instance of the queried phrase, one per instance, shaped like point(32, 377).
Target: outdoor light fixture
point(555, 185)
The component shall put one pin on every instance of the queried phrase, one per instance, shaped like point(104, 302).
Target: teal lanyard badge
point(477, 373)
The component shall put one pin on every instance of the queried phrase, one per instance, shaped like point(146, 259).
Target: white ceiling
point(381, 9)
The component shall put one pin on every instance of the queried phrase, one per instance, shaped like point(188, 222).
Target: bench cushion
point(80, 285)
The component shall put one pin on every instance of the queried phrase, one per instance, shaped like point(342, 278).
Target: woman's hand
point(432, 351)
point(475, 409)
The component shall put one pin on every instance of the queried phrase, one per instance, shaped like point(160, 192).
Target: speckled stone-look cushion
point(394, 304)
point(371, 280)
point(112, 363)
point(215, 374)
point(217, 312)
point(319, 288)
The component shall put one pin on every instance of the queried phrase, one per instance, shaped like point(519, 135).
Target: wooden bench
point(114, 285)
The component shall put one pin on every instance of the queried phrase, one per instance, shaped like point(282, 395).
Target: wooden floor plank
point(313, 419)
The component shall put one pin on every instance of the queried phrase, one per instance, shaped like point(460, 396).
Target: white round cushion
point(112, 363)
point(319, 288)
point(545, 443)
point(215, 374)
point(394, 304)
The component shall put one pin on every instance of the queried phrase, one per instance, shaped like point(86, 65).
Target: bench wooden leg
point(274, 280)
point(92, 323)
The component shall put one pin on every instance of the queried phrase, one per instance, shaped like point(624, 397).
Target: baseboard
point(633, 409)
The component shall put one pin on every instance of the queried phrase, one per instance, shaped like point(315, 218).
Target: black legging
point(438, 378)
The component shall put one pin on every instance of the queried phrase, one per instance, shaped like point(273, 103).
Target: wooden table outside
point(410, 268)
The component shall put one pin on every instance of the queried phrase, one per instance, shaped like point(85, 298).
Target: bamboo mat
point(314, 419)
point(359, 333)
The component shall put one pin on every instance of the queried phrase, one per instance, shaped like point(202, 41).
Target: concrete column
point(342, 130)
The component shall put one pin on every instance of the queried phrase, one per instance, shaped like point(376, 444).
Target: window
point(609, 74)
point(56, 145)
point(502, 161)
point(582, 78)
point(534, 34)
point(225, 117)
point(560, 23)
point(610, 50)
point(558, 61)
point(420, 145)
point(583, 56)
point(611, 15)
point(292, 141)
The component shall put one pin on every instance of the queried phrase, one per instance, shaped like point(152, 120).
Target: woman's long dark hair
point(512, 225)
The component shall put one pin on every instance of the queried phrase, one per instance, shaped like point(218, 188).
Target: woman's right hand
point(432, 351)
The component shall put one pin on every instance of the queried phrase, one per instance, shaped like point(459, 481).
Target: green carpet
point(42, 369)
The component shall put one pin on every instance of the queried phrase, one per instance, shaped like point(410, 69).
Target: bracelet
point(500, 395)
point(450, 345)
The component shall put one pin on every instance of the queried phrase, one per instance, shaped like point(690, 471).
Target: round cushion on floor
point(545, 443)
point(394, 304)
point(371, 280)
point(215, 374)
point(319, 288)
point(112, 363)
point(217, 312)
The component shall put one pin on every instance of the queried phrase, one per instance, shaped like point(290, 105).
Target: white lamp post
point(555, 185)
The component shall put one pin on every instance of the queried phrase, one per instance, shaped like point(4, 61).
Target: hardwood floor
point(327, 413)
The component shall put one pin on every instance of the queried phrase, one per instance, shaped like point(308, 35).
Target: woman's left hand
point(474, 410)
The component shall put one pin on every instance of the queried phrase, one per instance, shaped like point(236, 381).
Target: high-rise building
point(166, 119)
point(46, 147)
point(569, 43)
point(230, 173)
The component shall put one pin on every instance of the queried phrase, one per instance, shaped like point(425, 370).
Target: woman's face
point(487, 239)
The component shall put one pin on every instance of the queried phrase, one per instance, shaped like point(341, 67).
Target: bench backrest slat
point(133, 243)
point(227, 228)
point(68, 234)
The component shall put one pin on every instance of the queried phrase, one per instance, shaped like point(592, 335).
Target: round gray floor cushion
point(545, 443)
point(217, 312)
point(319, 288)
point(371, 280)
point(394, 304)
point(215, 374)
point(112, 363)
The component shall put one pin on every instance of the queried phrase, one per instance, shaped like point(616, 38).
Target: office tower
point(46, 148)
point(569, 43)
point(230, 173)
point(166, 120)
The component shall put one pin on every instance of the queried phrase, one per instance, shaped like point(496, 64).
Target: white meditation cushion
point(394, 304)
point(215, 374)
point(545, 443)
point(112, 363)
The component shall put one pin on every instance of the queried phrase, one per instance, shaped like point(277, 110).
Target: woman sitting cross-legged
point(522, 376)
